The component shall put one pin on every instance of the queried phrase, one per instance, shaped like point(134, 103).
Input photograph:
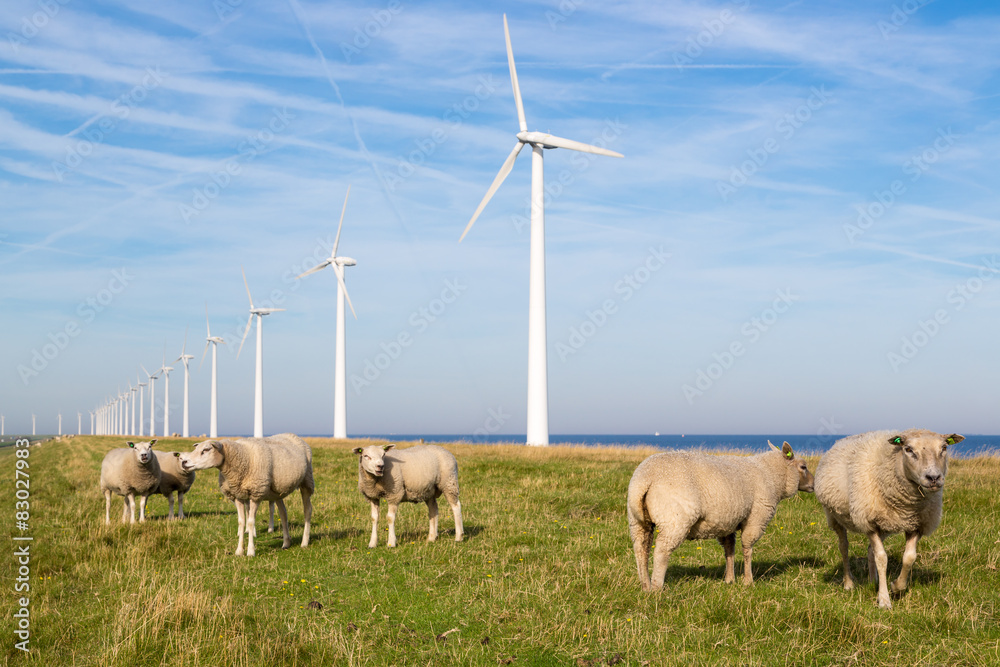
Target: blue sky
point(822, 177)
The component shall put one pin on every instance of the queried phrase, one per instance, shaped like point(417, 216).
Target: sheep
point(413, 475)
point(129, 472)
point(696, 496)
point(258, 469)
point(880, 483)
point(173, 478)
point(227, 494)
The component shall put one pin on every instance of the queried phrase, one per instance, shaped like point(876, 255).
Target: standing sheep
point(695, 496)
point(130, 472)
point(258, 469)
point(880, 483)
point(414, 475)
point(173, 478)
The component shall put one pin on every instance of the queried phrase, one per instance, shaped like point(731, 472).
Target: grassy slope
point(546, 576)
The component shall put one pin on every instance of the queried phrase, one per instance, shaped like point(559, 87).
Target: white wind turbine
point(79, 423)
point(184, 359)
point(91, 421)
point(133, 391)
point(152, 400)
point(60, 423)
point(142, 402)
point(213, 431)
point(32, 423)
point(538, 391)
point(166, 393)
point(258, 394)
point(340, 371)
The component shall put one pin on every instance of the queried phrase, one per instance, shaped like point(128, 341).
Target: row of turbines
point(112, 415)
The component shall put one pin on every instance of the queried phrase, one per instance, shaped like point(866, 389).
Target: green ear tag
point(897, 441)
point(950, 441)
point(789, 455)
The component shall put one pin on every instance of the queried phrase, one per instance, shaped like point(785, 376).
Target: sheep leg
point(665, 545)
point(170, 499)
point(844, 553)
point(456, 511)
point(307, 510)
point(107, 507)
point(728, 543)
point(125, 510)
point(241, 516)
point(432, 516)
point(142, 508)
point(881, 562)
point(131, 505)
point(642, 539)
point(909, 556)
point(872, 571)
point(391, 512)
point(180, 504)
point(252, 518)
point(286, 536)
point(270, 519)
point(748, 538)
point(374, 540)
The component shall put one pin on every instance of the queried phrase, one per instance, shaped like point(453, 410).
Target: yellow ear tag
point(950, 441)
point(789, 455)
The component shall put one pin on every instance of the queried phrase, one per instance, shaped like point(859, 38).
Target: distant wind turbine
point(3, 425)
point(340, 371)
point(213, 431)
point(79, 423)
point(91, 421)
point(152, 400)
point(538, 392)
point(258, 394)
point(142, 402)
point(133, 391)
point(166, 393)
point(184, 359)
point(60, 423)
point(32, 423)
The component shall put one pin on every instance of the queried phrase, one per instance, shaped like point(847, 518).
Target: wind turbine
point(32, 423)
point(152, 400)
point(538, 391)
point(91, 422)
point(184, 359)
point(3, 425)
point(132, 390)
point(141, 401)
point(213, 430)
point(60, 423)
point(166, 392)
point(340, 371)
point(79, 423)
point(258, 393)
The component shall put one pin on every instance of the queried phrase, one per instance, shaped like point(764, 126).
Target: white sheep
point(697, 496)
point(414, 475)
point(129, 472)
point(173, 478)
point(880, 483)
point(255, 470)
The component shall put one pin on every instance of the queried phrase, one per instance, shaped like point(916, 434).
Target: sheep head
point(206, 454)
point(143, 450)
point(923, 456)
point(799, 478)
point(373, 458)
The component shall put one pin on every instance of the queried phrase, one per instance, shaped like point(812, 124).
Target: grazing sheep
point(173, 478)
point(414, 475)
point(880, 483)
point(696, 496)
point(255, 470)
point(129, 472)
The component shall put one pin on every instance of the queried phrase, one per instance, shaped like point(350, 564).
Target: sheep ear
point(786, 449)
point(177, 454)
point(772, 446)
point(954, 439)
point(152, 442)
point(897, 440)
point(386, 448)
point(358, 450)
point(131, 444)
point(217, 445)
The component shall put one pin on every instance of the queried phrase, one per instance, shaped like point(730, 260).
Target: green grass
point(546, 576)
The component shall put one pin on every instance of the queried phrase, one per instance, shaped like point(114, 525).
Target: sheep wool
point(697, 496)
point(129, 472)
point(880, 483)
point(173, 479)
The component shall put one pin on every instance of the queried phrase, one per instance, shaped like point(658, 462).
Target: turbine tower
point(142, 402)
point(258, 393)
point(60, 423)
point(91, 422)
point(340, 370)
point(538, 391)
point(32, 423)
point(184, 359)
point(166, 393)
point(213, 430)
point(133, 391)
point(79, 423)
point(152, 400)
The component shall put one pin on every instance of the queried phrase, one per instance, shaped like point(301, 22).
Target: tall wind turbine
point(258, 393)
point(32, 423)
point(133, 391)
point(340, 371)
point(152, 400)
point(184, 359)
point(213, 430)
point(142, 401)
point(538, 387)
point(166, 393)
point(91, 422)
point(79, 423)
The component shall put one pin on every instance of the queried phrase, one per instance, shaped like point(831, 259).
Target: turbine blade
point(144, 370)
point(336, 243)
point(513, 78)
point(559, 142)
point(184, 347)
point(207, 325)
point(246, 285)
point(325, 263)
point(245, 332)
point(338, 269)
point(501, 176)
point(207, 343)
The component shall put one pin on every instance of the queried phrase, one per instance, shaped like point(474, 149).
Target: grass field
point(545, 576)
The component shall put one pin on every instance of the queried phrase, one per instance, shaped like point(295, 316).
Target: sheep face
point(143, 451)
point(923, 456)
point(798, 478)
point(373, 458)
point(207, 454)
